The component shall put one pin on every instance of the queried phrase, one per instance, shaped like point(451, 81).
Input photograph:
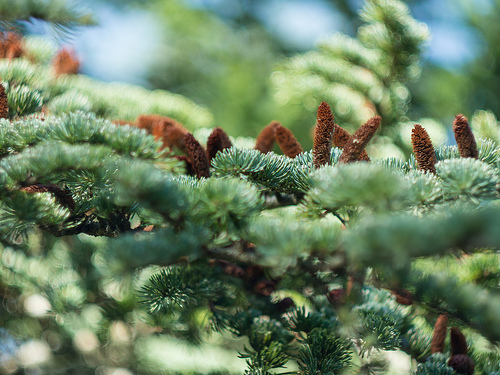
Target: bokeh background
point(222, 53)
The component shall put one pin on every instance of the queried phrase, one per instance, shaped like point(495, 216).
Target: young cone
point(187, 164)
point(423, 149)
point(457, 342)
point(356, 144)
point(217, 141)
point(4, 103)
point(340, 138)
point(439, 335)
point(65, 62)
point(147, 121)
point(11, 46)
point(287, 142)
point(266, 138)
point(197, 155)
point(462, 364)
point(323, 135)
point(465, 139)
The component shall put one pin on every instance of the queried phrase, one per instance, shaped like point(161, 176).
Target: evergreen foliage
point(320, 260)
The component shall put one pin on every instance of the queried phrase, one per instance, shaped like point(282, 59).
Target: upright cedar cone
point(356, 144)
point(340, 138)
point(217, 141)
point(323, 135)
point(457, 342)
point(423, 149)
point(465, 139)
point(63, 197)
point(147, 121)
point(170, 132)
point(188, 165)
point(287, 142)
point(439, 335)
point(11, 46)
point(266, 138)
point(197, 155)
point(462, 364)
point(65, 62)
point(4, 103)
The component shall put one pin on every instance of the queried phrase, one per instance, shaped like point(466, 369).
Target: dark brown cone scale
point(466, 142)
point(266, 138)
point(358, 141)
point(423, 149)
point(197, 155)
point(323, 136)
point(4, 104)
point(217, 141)
point(462, 364)
point(457, 342)
point(340, 138)
point(287, 142)
point(439, 335)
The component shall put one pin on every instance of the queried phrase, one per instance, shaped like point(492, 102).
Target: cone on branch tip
point(323, 135)
point(457, 342)
point(439, 334)
point(66, 62)
point(466, 142)
point(4, 103)
point(266, 138)
point(358, 141)
point(423, 149)
point(340, 138)
point(287, 142)
point(217, 141)
point(197, 155)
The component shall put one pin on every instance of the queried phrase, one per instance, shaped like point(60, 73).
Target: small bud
point(462, 364)
point(266, 138)
point(439, 335)
point(465, 138)
point(287, 142)
point(356, 144)
point(323, 136)
point(423, 149)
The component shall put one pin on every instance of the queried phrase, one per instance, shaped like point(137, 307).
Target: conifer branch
point(358, 141)
point(423, 149)
point(266, 138)
point(465, 138)
point(217, 141)
point(287, 142)
point(323, 136)
point(197, 155)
